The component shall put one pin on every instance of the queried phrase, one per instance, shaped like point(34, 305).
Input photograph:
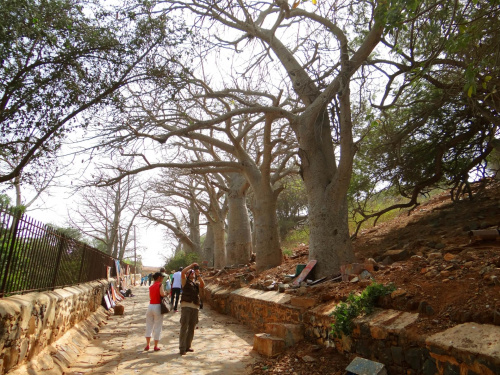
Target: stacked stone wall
point(31, 322)
point(252, 307)
point(385, 336)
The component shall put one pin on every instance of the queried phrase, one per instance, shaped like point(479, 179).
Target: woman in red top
point(154, 318)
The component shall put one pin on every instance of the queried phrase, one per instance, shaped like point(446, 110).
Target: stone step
point(267, 345)
point(291, 333)
point(468, 348)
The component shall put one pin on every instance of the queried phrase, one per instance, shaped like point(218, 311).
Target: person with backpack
point(190, 305)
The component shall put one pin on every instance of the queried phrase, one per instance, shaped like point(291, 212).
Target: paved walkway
point(221, 345)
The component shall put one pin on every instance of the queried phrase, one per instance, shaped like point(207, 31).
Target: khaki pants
point(189, 319)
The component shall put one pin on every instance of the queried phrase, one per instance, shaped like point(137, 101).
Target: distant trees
point(237, 148)
point(172, 205)
point(108, 215)
point(292, 205)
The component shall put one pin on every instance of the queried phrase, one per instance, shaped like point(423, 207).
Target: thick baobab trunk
point(267, 240)
point(326, 185)
point(239, 235)
point(194, 229)
point(208, 246)
point(329, 242)
point(219, 244)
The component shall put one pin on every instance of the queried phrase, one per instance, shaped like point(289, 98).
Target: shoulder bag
point(165, 305)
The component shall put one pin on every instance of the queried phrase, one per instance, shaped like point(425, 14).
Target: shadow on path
point(221, 345)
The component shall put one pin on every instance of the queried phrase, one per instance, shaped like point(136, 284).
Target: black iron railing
point(35, 257)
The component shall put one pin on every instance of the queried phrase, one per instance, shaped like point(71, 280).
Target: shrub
point(356, 305)
point(181, 259)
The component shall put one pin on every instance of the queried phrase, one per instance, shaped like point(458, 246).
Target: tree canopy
point(61, 58)
point(356, 98)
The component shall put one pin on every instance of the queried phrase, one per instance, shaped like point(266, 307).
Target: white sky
point(55, 206)
point(150, 243)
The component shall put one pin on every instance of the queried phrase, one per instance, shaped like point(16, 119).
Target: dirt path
point(221, 345)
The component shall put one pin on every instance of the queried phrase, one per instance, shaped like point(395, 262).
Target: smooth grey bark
point(208, 246)
point(267, 240)
point(219, 244)
point(266, 229)
point(239, 235)
point(194, 228)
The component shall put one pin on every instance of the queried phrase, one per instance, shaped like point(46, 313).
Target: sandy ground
point(221, 345)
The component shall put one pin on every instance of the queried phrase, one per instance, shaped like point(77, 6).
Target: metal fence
point(35, 257)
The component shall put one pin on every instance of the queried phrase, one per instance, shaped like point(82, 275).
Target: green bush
point(294, 238)
point(181, 259)
point(356, 305)
point(287, 252)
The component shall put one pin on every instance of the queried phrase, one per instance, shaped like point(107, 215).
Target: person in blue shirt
point(176, 289)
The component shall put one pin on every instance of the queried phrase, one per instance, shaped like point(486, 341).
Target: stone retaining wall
point(384, 336)
point(253, 307)
point(31, 322)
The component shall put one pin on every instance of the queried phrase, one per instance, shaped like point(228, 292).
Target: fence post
point(58, 262)
point(11, 249)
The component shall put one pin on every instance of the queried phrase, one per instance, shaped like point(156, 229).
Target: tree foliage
point(60, 58)
point(291, 207)
point(181, 259)
point(438, 114)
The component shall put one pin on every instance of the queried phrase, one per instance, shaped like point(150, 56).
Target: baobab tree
point(176, 202)
point(315, 56)
point(251, 142)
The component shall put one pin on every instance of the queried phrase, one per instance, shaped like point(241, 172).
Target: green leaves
point(356, 305)
point(59, 58)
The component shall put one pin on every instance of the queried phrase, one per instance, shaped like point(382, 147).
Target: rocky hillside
point(437, 267)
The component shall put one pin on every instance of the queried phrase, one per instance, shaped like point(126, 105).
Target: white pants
point(154, 321)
